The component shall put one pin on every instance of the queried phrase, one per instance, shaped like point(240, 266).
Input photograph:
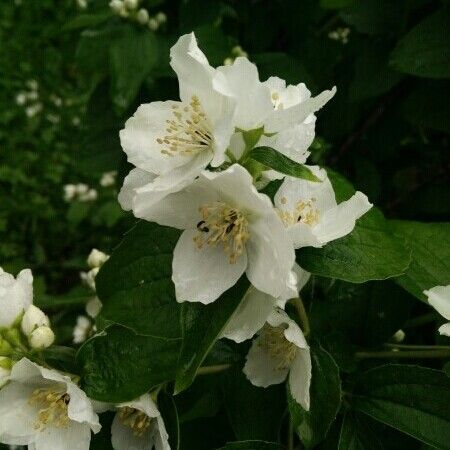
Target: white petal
point(145, 404)
point(75, 437)
point(250, 316)
point(161, 437)
point(253, 97)
point(286, 118)
point(80, 408)
point(17, 416)
point(147, 199)
point(270, 255)
point(261, 369)
point(292, 333)
point(123, 438)
point(300, 377)
point(439, 299)
point(302, 276)
point(445, 329)
point(339, 221)
point(303, 235)
point(135, 179)
point(139, 138)
point(202, 275)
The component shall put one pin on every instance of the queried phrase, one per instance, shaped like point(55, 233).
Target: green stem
point(406, 354)
point(417, 347)
point(208, 370)
point(302, 315)
point(290, 436)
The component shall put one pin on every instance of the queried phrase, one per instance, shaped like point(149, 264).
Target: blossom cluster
point(194, 171)
point(130, 9)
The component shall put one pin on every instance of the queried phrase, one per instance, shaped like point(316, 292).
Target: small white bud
point(32, 319)
point(70, 191)
point(116, 5)
point(33, 110)
point(41, 337)
point(153, 24)
point(93, 307)
point(82, 188)
point(142, 16)
point(33, 85)
point(161, 18)
point(82, 4)
point(228, 61)
point(88, 278)
point(89, 196)
point(108, 178)
point(96, 258)
point(81, 330)
point(398, 336)
point(131, 4)
point(21, 98)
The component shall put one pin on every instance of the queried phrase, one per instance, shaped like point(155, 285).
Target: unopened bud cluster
point(29, 99)
point(80, 192)
point(129, 9)
point(340, 35)
point(236, 51)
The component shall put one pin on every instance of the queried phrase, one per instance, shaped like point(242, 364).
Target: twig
point(302, 315)
point(208, 370)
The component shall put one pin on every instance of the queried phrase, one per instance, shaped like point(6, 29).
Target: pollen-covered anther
point(52, 404)
point(274, 343)
point(225, 226)
point(304, 212)
point(132, 418)
point(188, 132)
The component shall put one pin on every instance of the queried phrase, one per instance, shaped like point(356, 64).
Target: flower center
point(274, 343)
point(52, 404)
point(225, 226)
point(137, 420)
point(303, 212)
point(277, 104)
point(188, 132)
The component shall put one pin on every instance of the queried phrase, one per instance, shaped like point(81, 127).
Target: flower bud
point(42, 337)
point(161, 18)
point(142, 16)
point(399, 336)
point(153, 24)
point(93, 307)
point(32, 319)
point(131, 4)
point(5, 347)
point(116, 5)
point(96, 258)
point(228, 61)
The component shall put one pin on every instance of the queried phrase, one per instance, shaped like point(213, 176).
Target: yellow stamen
point(137, 420)
point(225, 226)
point(304, 212)
point(52, 403)
point(273, 341)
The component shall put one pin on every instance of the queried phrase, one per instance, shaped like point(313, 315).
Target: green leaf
point(201, 326)
point(252, 445)
point(412, 399)
point(357, 435)
point(168, 409)
point(430, 266)
point(86, 20)
point(135, 284)
point(424, 50)
point(369, 252)
point(133, 55)
point(119, 365)
point(242, 399)
point(336, 4)
point(281, 163)
point(312, 426)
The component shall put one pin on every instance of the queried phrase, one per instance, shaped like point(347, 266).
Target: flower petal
point(270, 255)
point(135, 179)
point(202, 275)
point(445, 329)
point(123, 438)
point(292, 333)
point(261, 369)
point(439, 299)
point(282, 119)
point(250, 316)
point(300, 377)
point(75, 437)
point(340, 221)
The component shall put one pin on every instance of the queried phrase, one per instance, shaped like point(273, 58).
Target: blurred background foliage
point(73, 71)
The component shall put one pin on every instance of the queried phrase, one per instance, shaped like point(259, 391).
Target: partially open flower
point(139, 425)
point(439, 299)
point(279, 351)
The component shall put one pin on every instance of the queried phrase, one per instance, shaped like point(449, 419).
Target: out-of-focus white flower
point(96, 258)
point(32, 110)
point(439, 299)
point(90, 196)
point(42, 337)
point(238, 51)
point(311, 214)
point(32, 319)
point(340, 34)
point(82, 329)
point(76, 121)
point(229, 228)
point(21, 98)
point(70, 191)
point(16, 295)
point(142, 16)
point(5, 369)
point(82, 4)
point(161, 17)
point(153, 24)
point(57, 101)
point(32, 96)
point(45, 410)
point(108, 178)
point(53, 118)
point(116, 5)
point(399, 336)
point(93, 307)
point(32, 85)
point(89, 277)
point(281, 350)
point(131, 4)
point(138, 425)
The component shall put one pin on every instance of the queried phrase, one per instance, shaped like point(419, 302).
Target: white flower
point(281, 350)
point(21, 98)
point(93, 307)
point(138, 425)
point(82, 329)
point(32, 319)
point(5, 370)
point(311, 214)
point(70, 190)
point(256, 307)
point(439, 299)
point(116, 5)
point(42, 337)
point(96, 258)
point(171, 142)
point(230, 228)
point(45, 409)
point(161, 17)
point(89, 196)
point(89, 277)
point(16, 295)
point(33, 110)
point(32, 85)
point(142, 16)
point(153, 24)
point(131, 4)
